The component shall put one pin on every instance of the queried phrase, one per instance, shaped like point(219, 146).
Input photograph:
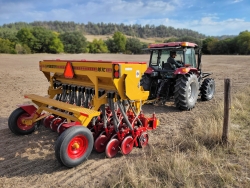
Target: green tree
point(97, 46)
point(74, 42)
point(22, 49)
point(56, 45)
point(6, 46)
point(243, 42)
point(111, 45)
point(232, 45)
point(211, 45)
point(205, 43)
point(46, 41)
point(133, 45)
point(25, 37)
point(8, 34)
point(43, 38)
point(120, 41)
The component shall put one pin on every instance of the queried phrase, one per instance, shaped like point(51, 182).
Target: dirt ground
point(29, 161)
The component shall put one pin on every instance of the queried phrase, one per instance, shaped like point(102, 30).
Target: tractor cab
point(159, 53)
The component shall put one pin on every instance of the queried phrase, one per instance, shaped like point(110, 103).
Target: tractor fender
point(30, 109)
point(149, 70)
point(185, 70)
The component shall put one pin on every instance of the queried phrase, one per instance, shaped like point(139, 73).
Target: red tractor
point(185, 82)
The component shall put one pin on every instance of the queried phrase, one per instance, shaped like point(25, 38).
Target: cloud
point(79, 11)
point(237, 1)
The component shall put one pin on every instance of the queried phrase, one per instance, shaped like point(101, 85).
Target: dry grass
point(195, 156)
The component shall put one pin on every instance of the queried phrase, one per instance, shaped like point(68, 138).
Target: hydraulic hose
point(104, 117)
point(124, 114)
point(135, 112)
point(115, 119)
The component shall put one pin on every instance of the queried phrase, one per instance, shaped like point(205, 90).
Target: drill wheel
point(143, 140)
point(101, 143)
point(112, 148)
point(127, 145)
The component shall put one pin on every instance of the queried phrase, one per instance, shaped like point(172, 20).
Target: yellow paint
point(94, 74)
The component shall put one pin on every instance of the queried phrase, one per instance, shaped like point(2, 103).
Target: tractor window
point(154, 57)
point(164, 55)
point(179, 56)
point(157, 57)
point(190, 57)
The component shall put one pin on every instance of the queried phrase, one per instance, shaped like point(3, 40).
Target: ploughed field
point(29, 161)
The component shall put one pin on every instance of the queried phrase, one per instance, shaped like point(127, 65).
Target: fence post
point(227, 106)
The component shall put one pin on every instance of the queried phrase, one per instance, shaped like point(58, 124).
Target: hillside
point(147, 31)
point(90, 38)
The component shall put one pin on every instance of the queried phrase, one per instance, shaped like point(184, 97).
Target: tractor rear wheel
point(145, 82)
point(74, 146)
point(207, 89)
point(17, 126)
point(149, 84)
point(186, 91)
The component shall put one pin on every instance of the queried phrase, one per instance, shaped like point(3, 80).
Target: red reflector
point(83, 114)
point(116, 74)
point(68, 71)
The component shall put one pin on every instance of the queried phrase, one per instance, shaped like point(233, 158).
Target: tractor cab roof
point(172, 45)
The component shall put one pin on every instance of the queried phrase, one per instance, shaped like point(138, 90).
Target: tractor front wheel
point(207, 89)
point(16, 125)
point(74, 146)
point(186, 91)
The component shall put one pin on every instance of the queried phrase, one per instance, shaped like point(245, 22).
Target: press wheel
point(100, 143)
point(112, 148)
point(143, 140)
point(127, 145)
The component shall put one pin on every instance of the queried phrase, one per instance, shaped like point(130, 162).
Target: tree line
point(25, 38)
point(135, 30)
point(225, 46)
point(42, 40)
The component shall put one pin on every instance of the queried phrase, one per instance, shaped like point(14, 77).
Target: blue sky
point(212, 18)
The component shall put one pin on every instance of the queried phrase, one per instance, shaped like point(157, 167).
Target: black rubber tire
point(207, 89)
point(149, 84)
point(58, 144)
point(63, 141)
point(145, 82)
point(13, 122)
point(186, 91)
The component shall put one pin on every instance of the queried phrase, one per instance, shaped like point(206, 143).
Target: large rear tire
point(207, 89)
point(149, 84)
point(186, 91)
point(74, 146)
point(15, 122)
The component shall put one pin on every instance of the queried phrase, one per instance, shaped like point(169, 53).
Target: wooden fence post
point(227, 107)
